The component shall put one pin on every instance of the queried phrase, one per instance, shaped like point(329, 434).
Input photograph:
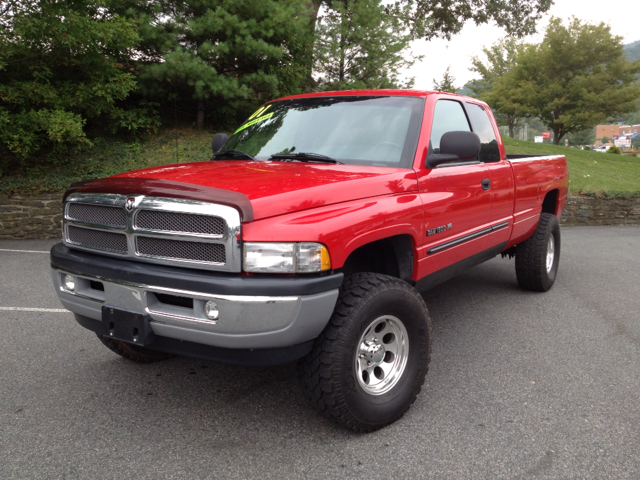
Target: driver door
point(457, 202)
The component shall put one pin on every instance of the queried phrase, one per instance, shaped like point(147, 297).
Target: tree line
point(576, 78)
point(73, 70)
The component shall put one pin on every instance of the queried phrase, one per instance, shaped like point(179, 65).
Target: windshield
point(356, 130)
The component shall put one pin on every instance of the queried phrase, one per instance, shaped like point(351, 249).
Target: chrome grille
point(98, 239)
point(168, 231)
point(100, 214)
point(178, 249)
point(179, 222)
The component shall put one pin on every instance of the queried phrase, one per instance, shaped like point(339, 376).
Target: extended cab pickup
point(308, 236)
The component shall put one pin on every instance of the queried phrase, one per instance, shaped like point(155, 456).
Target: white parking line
point(23, 251)
point(28, 309)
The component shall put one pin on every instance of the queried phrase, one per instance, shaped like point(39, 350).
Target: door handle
point(486, 184)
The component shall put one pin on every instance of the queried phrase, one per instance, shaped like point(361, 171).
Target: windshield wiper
point(305, 157)
point(234, 153)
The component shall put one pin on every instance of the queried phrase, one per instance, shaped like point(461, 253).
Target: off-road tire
point(134, 352)
point(328, 373)
point(532, 269)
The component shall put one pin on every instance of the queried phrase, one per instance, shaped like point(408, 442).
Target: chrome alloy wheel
point(381, 355)
point(551, 246)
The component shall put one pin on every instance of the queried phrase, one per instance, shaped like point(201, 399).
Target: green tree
point(605, 139)
point(447, 82)
point(214, 53)
point(434, 18)
point(360, 44)
point(576, 78)
point(437, 18)
point(430, 19)
point(493, 86)
point(583, 137)
point(64, 66)
point(632, 119)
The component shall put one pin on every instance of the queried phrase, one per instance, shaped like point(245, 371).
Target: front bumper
point(255, 312)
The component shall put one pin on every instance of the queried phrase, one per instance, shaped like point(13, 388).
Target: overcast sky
point(438, 54)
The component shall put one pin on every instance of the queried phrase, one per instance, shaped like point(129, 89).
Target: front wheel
point(369, 364)
point(538, 257)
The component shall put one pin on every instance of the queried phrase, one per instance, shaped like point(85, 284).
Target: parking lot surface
point(521, 385)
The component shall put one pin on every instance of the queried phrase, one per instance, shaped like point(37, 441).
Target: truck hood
point(272, 188)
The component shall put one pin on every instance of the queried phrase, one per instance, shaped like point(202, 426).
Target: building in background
point(625, 141)
point(611, 131)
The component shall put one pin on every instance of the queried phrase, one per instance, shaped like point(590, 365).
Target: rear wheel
point(133, 352)
point(538, 257)
point(369, 364)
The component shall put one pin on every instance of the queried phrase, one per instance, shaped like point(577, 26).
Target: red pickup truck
point(308, 236)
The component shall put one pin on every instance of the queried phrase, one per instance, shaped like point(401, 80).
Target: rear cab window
point(489, 149)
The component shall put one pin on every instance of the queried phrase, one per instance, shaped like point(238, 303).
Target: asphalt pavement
point(521, 385)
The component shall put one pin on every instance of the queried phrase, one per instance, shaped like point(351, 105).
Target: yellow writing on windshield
point(260, 111)
point(254, 121)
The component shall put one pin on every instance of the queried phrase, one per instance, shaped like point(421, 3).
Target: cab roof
point(396, 92)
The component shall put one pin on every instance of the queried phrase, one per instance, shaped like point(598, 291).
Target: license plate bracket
point(127, 326)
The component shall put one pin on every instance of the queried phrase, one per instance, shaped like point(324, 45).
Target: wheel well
point(550, 203)
point(390, 256)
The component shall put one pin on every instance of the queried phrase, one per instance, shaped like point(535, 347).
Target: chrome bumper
point(244, 321)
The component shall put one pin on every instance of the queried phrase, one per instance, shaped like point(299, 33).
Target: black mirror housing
point(436, 159)
point(219, 139)
point(457, 145)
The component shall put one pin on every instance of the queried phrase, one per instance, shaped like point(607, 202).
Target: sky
point(439, 54)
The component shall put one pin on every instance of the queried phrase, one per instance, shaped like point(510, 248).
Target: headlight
point(285, 257)
point(269, 257)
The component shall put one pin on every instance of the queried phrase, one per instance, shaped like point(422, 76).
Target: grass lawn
point(589, 172)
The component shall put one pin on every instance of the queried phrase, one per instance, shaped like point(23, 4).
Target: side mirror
point(219, 139)
point(454, 146)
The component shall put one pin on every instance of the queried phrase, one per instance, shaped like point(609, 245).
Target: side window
point(489, 150)
point(448, 116)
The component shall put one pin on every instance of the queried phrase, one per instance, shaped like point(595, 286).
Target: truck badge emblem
point(441, 229)
point(129, 203)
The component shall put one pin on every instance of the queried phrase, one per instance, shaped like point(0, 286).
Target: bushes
point(73, 71)
point(614, 149)
point(63, 69)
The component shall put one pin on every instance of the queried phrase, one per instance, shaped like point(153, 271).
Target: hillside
point(632, 50)
point(109, 157)
point(589, 172)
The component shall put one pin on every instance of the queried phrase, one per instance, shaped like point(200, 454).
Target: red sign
point(546, 134)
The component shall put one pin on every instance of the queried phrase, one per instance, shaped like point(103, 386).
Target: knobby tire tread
point(314, 370)
point(530, 260)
